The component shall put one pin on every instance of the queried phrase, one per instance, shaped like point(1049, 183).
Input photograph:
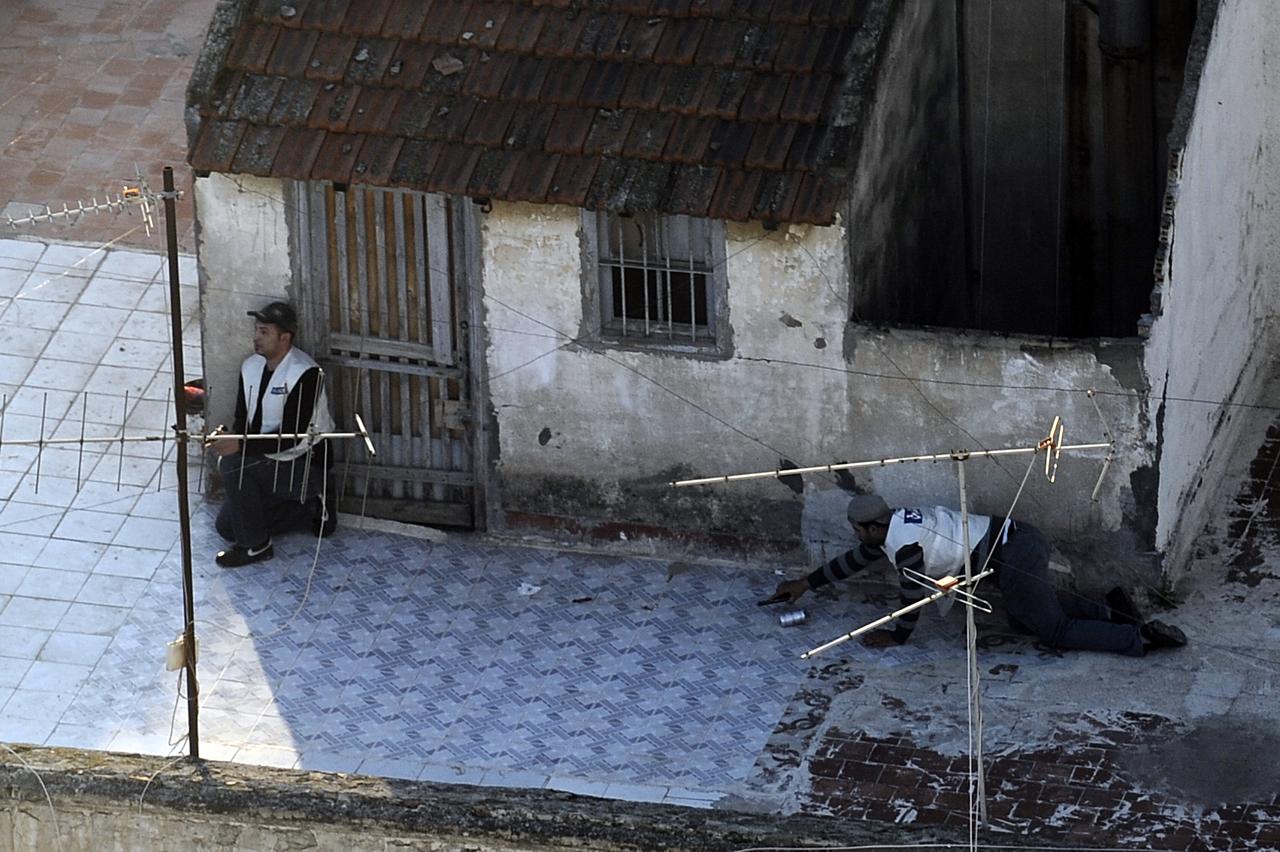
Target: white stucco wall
point(242, 246)
point(1215, 338)
point(609, 421)
point(605, 417)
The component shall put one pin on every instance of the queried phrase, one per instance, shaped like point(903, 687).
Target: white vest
point(283, 380)
point(940, 535)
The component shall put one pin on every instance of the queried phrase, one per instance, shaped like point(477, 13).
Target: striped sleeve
point(909, 591)
point(844, 566)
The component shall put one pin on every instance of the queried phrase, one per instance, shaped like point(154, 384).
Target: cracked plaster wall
point(1215, 337)
point(591, 432)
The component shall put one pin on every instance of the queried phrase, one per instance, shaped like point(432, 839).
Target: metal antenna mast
point(961, 589)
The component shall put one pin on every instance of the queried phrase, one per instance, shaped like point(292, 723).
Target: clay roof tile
point(804, 98)
point(215, 145)
point(680, 41)
point(565, 80)
point(816, 200)
point(764, 98)
point(294, 102)
point(405, 18)
point(485, 23)
point(604, 86)
point(719, 45)
point(526, 78)
point(486, 176)
point(302, 147)
point(330, 57)
point(375, 110)
point(522, 31)
point(769, 147)
point(691, 190)
point(444, 24)
point(528, 176)
point(452, 172)
point(489, 123)
point(292, 52)
point(377, 159)
point(333, 106)
point(649, 134)
point(251, 47)
point(568, 130)
point(640, 38)
point(735, 195)
point(256, 154)
point(370, 60)
point(572, 180)
point(325, 15)
point(608, 133)
point(600, 36)
point(411, 64)
point(415, 163)
point(724, 92)
point(487, 78)
point(685, 88)
point(337, 157)
point(365, 17)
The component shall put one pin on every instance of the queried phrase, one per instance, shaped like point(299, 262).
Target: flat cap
point(865, 508)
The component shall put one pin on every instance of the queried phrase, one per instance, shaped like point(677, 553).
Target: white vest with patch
point(283, 380)
point(940, 535)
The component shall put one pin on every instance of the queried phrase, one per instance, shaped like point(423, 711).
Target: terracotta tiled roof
point(734, 109)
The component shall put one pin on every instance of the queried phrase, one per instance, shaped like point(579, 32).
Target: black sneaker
point(324, 521)
point(238, 556)
point(1157, 634)
point(1123, 610)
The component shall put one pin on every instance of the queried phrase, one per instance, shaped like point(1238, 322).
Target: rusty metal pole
point(184, 510)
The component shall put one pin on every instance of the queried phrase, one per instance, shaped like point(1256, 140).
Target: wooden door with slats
point(386, 318)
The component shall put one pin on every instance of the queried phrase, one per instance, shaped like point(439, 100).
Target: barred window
point(659, 279)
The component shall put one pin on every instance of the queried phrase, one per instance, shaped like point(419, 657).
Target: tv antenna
point(963, 589)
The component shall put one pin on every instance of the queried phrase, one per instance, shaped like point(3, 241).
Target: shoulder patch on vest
point(912, 516)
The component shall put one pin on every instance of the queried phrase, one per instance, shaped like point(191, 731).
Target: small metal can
point(791, 619)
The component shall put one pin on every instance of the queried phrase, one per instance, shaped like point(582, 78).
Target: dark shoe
point(324, 520)
point(1123, 610)
point(238, 556)
point(1157, 634)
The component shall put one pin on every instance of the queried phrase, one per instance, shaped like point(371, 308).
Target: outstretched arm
point(842, 567)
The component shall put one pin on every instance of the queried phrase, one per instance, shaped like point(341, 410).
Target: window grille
point(660, 277)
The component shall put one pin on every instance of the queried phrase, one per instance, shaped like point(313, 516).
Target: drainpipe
point(1129, 157)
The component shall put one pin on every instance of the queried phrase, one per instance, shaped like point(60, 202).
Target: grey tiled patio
point(374, 652)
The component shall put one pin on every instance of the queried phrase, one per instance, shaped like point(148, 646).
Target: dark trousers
point(267, 499)
point(1072, 621)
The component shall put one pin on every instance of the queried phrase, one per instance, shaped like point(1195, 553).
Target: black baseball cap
point(278, 314)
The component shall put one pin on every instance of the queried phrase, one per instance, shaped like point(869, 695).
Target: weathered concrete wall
point(989, 391)
point(99, 806)
point(904, 204)
point(242, 247)
point(1215, 337)
point(593, 434)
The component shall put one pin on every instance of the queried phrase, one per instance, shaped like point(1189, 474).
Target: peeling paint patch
point(819, 343)
point(544, 436)
point(789, 321)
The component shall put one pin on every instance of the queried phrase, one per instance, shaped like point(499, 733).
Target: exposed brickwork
point(1254, 522)
point(1075, 791)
